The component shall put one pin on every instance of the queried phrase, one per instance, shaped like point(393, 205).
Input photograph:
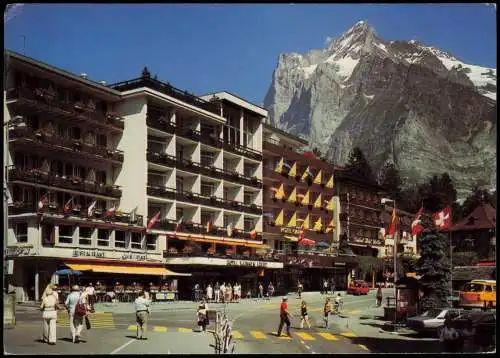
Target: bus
point(479, 294)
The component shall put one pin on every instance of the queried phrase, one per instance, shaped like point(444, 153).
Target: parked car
point(483, 326)
point(358, 287)
point(432, 321)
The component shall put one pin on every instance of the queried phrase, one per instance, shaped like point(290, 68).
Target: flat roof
point(283, 133)
point(72, 76)
point(225, 95)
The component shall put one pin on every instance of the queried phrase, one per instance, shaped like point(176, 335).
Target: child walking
point(303, 313)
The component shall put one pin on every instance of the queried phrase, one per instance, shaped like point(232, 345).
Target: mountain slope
point(407, 103)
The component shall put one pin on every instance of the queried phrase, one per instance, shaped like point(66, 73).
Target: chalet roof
point(483, 217)
point(467, 273)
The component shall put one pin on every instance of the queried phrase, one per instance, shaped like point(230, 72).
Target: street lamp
point(395, 252)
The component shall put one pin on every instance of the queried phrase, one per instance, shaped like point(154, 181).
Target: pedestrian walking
point(284, 317)
point(332, 286)
point(196, 290)
point(449, 337)
point(379, 296)
point(49, 307)
point(327, 310)
point(142, 311)
point(217, 292)
point(261, 291)
point(299, 288)
point(304, 316)
point(270, 289)
point(202, 315)
point(325, 287)
point(77, 309)
point(90, 292)
point(223, 292)
point(237, 291)
point(210, 292)
point(338, 303)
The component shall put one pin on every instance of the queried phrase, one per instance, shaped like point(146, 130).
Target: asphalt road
point(174, 331)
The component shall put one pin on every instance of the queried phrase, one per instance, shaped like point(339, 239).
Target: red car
point(358, 287)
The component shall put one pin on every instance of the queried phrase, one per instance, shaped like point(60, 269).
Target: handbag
point(80, 309)
point(87, 323)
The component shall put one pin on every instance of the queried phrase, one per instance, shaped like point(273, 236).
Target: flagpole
point(451, 268)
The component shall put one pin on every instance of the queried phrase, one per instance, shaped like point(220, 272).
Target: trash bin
point(9, 310)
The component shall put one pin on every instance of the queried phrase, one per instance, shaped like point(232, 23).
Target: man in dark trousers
point(284, 317)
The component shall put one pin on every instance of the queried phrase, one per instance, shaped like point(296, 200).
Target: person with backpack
point(77, 310)
point(327, 309)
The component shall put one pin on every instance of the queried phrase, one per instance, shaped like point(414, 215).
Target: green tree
point(433, 266)
point(438, 193)
point(391, 181)
point(411, 199)
point(477, 197)
point(358, 167)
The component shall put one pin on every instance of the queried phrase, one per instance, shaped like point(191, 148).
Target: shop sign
point(246, 263)
point(19, 251)
point(290, 230)
point(135, 257)
point(88, 253)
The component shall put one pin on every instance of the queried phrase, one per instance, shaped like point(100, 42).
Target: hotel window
point(179, 214)
point(85, 236)
point(248, 197)
point(103, 237)
point(101, 177)
point(136, 240)
point(388, 251)
point(90, 138)
point(102, 140)
point(120, 239)
point(248, 224)
point(21, 232)
point(207, 158)
point(151, 242)
point(66, 233)
point(207, 189)
point(226, 220)
point(75, 133)
point(179, 183)
point(206, 217)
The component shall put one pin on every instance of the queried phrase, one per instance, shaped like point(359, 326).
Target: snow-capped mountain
point(399, 101)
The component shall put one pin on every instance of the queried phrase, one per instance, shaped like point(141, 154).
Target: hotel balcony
point(37, 138)
point(40, 177)
point(38, 100)
point(295, 232)
point(193, 228)
point(81, 212)
point(161, 124)
point(189, 197)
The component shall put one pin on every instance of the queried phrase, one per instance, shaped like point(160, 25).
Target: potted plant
point(255, 180)
point(189, 195)
point(213, 199)
point(235, 174)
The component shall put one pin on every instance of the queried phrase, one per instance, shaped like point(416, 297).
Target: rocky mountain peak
point(413, 104)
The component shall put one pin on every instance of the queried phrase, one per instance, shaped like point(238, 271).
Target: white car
point(432, 320)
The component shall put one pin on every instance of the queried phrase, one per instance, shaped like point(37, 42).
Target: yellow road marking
point(363, 346)
point(349, 334)
point(354, 312)
point(283, 336)
point(160, 329)
point(185, 330)
point(328, 336)
point(237, 335)
point(258, 334)
point(132, 327)
point(305, 336)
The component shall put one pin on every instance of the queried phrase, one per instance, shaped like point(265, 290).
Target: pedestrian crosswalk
point(97, 320)
point(260, 335)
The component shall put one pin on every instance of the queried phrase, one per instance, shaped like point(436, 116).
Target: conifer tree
point(434, 266)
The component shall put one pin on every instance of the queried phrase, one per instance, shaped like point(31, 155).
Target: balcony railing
point(242, 150)
point(160, 124)
point(21, 207)
point(165, 88)
point(167, 254)
point(29, 135)
point(159, 191)
point(194, 228)
point(73, 183)
point(194, 167)
point(39, 98)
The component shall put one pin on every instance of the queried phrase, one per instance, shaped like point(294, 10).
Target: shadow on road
point(395, 345)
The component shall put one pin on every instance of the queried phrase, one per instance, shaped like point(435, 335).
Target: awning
point(218, 241)
point(138, 270)
point(292, 238)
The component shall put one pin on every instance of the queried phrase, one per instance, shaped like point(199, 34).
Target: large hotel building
point(141, 182)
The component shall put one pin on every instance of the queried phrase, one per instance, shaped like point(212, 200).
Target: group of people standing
point(78, 304)
point(227, 293)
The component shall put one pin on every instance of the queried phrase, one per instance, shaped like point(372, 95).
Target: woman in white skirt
point(49, 315)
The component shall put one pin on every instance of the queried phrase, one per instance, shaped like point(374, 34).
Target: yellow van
point(478, 293)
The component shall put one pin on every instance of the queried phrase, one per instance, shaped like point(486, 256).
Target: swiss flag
point(416, 225)
point(153, 220)
point(442, 219)
point(392, 225)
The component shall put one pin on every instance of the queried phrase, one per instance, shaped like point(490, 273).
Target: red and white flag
point(153, 220)
point(209, 226)
point(442, 219)
point(111, 211)
point(391, 231)
point(253, 234)
point(301, 233)
point(91, 209)
point(416, 225)
point(68, 207)
point(178, 225)
point(42, 202)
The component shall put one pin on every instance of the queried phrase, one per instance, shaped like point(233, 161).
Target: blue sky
point(204, 48)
